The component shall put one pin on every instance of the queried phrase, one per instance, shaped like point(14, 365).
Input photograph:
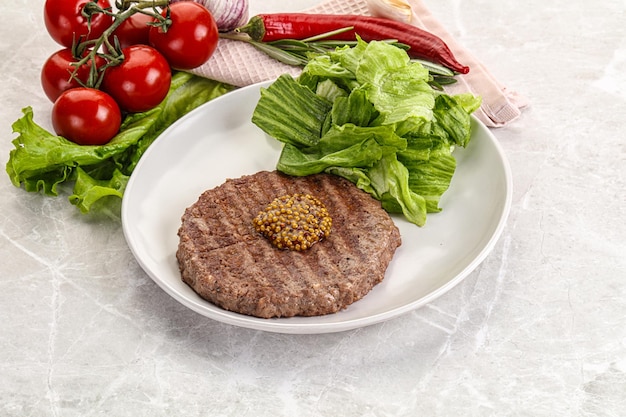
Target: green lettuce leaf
point(354, 108)
point(342, 146)
point(388, 77)
point(367, 113)
point(88, 190)
point(41, 161)
point(304, 106)
point(430, 177)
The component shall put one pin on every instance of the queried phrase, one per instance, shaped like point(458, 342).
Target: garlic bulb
point(398, 10)
point(228, 14)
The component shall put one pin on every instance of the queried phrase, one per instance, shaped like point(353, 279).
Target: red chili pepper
point(422, 44)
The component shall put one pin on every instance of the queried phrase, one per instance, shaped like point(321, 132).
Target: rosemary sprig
point(299, 52)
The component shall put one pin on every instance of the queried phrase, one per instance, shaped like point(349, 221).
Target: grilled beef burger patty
point(229, 263)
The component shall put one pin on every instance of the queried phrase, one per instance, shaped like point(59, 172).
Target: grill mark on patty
point(261, 192)
point(323, 254)
point(244, 205)
point(246, 202)
point(348, 205)
point(332, 257)
point(302, 264)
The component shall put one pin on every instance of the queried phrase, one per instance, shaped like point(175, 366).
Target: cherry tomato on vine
point(57, 70)
point(133, 31)
point(86, 116)
point(65, 22)
point(190, 40)
point(141, 81)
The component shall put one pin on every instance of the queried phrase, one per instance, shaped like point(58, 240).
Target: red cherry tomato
point(141, 81)
point(65, 22)
point(190, 40)
point(86, 116)
point(133, 31)
point(56, 73)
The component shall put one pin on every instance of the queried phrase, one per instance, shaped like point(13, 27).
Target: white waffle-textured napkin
point(241, 64)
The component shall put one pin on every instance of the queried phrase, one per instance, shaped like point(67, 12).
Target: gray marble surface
point(539, 329)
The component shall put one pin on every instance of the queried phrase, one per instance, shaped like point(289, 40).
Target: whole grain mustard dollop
point(294, 222)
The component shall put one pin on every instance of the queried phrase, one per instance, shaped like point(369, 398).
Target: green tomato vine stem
point(87, 52)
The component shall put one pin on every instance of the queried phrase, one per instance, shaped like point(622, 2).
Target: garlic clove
point(228, 14)
point(398, 10)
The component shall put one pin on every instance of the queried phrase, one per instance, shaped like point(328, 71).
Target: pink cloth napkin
point(240, 64)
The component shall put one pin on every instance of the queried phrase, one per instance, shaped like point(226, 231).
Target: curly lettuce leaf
point(88, 190)
point(41, 161)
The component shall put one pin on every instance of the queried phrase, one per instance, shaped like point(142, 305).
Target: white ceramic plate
point(218, 141)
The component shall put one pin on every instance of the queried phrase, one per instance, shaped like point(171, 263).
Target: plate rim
point(282, 325)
